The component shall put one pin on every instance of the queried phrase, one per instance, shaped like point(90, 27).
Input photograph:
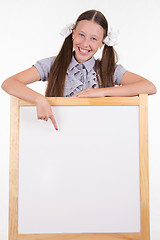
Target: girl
point(76, 73)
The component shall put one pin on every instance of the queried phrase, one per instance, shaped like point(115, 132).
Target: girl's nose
point(85, 42)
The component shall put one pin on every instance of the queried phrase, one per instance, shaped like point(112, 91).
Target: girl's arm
point(131, 85)
point(16, 86)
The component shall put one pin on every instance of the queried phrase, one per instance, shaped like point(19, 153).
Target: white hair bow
point(66, 31)
point(112, 38)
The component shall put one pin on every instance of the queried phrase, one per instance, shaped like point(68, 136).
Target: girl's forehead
point(89, 27)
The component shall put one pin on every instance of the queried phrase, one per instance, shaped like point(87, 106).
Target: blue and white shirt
point(79, 75)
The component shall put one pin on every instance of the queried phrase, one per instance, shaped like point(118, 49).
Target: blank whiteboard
point(83, 178)
point(86, 178)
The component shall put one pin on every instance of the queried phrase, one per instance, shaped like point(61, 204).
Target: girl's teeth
point(84, 51)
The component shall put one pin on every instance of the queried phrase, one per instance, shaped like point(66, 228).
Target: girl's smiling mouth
point(83, 51)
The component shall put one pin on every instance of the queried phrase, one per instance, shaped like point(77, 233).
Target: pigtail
point(107, 66)
point(56, 78)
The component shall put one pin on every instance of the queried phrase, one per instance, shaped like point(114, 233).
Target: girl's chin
point(82, 57)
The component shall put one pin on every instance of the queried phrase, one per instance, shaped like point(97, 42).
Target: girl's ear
point(73, 31)
point(101, 45)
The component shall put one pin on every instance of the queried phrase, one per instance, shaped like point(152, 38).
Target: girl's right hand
point(44, 111)
point(16, 86)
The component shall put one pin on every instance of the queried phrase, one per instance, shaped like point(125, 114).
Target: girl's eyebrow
point(81, 31)
point(93, 35)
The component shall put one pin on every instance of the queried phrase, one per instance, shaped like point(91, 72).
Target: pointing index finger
point(54, 122)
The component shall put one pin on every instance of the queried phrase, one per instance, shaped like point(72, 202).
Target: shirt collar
point(88, 64)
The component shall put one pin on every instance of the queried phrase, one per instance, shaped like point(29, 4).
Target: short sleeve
point(118, 74)
point(43, 66)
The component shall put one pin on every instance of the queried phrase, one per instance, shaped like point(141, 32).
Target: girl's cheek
point(77, 42)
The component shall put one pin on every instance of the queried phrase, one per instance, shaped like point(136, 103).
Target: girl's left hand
point(90, 92)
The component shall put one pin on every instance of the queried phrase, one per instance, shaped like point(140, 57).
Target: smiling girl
point(75, 73)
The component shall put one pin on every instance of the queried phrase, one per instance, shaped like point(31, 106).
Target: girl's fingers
point(43, 118)
point(44, 112)
point(54, 122)
point(83, 94)
point(80, 94)
point(52, 119)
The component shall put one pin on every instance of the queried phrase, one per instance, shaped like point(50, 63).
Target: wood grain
point(144, 167)
point(81, 236)
point(13, 172)
point(75, 101)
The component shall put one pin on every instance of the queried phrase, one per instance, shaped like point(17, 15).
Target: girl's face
point(87, 38)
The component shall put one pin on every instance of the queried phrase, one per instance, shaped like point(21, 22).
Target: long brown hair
point(104, 67)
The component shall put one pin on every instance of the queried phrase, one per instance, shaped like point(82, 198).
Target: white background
point(29, 31)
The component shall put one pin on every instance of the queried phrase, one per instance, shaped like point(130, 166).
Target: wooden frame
point(142, 102)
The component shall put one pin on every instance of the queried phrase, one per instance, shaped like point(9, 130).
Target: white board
point(83, 178)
